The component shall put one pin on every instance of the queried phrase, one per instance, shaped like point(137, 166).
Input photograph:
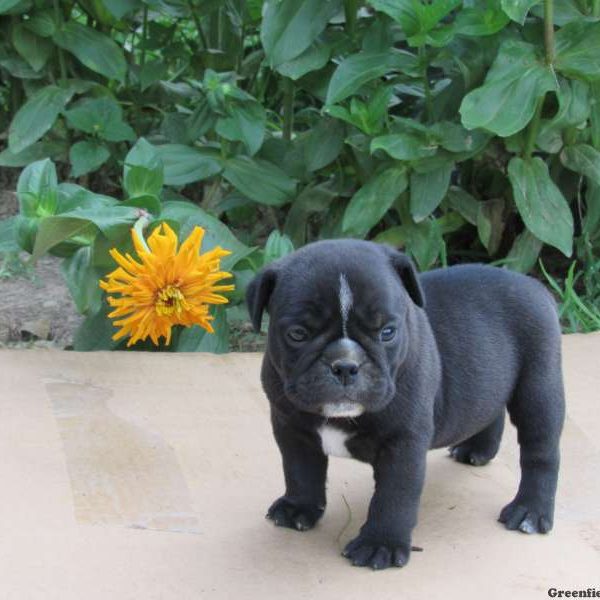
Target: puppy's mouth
point(341, 409)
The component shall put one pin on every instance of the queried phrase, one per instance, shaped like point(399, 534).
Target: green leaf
point(260, 180)
point(517, 9)
point(463, 203)
point(358, 69)
point(95, 50)
point(7, 5)
point(246, 123)
point(87, 156)
point(112, 221)
point(323, 144)
point(37, 189)
point(8, 236)
point(583, 159)
point(196, 339)
point(490, 223)
point(404, 146)
point(54, 230)
point(150, 203)
point(507, 100)
point(144, 172)
point(524, 252)
point(34, 49)
point(36, 117)
point(33, 153)
point(152, 72)
point(96, 332)
point(102, 117)
point(313, 58)
point(479, 22)
point(216, 233)
point(120, 8)
point(368, 206)
point(82, 280)
point(277, 246)
point(541, 204)
point(427, 190)
point(184, 164)
point(404, 12)
point(41, 23)
point(289, 27)
point(19, 68)
point(577, 48)
point(313, 199)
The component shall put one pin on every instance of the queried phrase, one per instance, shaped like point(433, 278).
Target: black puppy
point(367, 359)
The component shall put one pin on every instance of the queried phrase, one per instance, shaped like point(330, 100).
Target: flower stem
point(288, 108)
point(141, 224)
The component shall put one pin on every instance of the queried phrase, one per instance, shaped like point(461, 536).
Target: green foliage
point(453, 129)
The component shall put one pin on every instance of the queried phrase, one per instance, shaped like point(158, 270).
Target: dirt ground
point(35, 306)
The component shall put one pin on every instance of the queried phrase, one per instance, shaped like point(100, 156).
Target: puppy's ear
point(258, 293)
point(408, 275)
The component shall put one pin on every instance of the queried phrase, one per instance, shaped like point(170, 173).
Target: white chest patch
point(333, 441)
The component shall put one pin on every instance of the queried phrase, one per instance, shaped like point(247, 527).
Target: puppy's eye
point(297, 334)
point(387, 334)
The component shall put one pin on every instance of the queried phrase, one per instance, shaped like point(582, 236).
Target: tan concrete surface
point(147, 476)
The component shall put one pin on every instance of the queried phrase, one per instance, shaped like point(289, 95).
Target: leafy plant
point(458, 130)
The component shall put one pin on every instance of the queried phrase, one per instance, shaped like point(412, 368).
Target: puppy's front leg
point(305, 470)
point(385, 538)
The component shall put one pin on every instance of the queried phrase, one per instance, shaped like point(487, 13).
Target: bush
point(456, 130)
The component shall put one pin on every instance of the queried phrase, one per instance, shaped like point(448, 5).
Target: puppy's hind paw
point(284, 512)
point(463, 453)
point(518, 516)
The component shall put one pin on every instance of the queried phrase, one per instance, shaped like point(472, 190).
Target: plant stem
point(549, 30)
point(61, 55)
point(350, 10)
point(144, 36)
point(595, 8)
point(198, 25)
point(426, 87)
point(534, 128)
point(288, 108)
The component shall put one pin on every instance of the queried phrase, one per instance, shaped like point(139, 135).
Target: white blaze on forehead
point(346, 300)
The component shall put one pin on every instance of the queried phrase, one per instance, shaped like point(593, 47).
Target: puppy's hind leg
point(479, 449)
point(537, 410)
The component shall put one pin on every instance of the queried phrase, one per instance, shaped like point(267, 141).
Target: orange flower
point(166, 287)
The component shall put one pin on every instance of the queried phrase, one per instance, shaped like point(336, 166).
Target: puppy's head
point(337, 331)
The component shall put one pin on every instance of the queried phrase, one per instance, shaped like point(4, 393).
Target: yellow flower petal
point(165, 286)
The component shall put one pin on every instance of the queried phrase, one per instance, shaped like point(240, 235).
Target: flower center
point(170, 300)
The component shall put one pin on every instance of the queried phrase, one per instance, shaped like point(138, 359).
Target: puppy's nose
point(345, 370)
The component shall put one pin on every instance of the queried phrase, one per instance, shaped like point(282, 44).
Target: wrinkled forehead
point(338, 292)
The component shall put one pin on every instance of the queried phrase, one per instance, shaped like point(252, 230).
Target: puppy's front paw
point(364, 551)
point(284, 512)
point(528, 517)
